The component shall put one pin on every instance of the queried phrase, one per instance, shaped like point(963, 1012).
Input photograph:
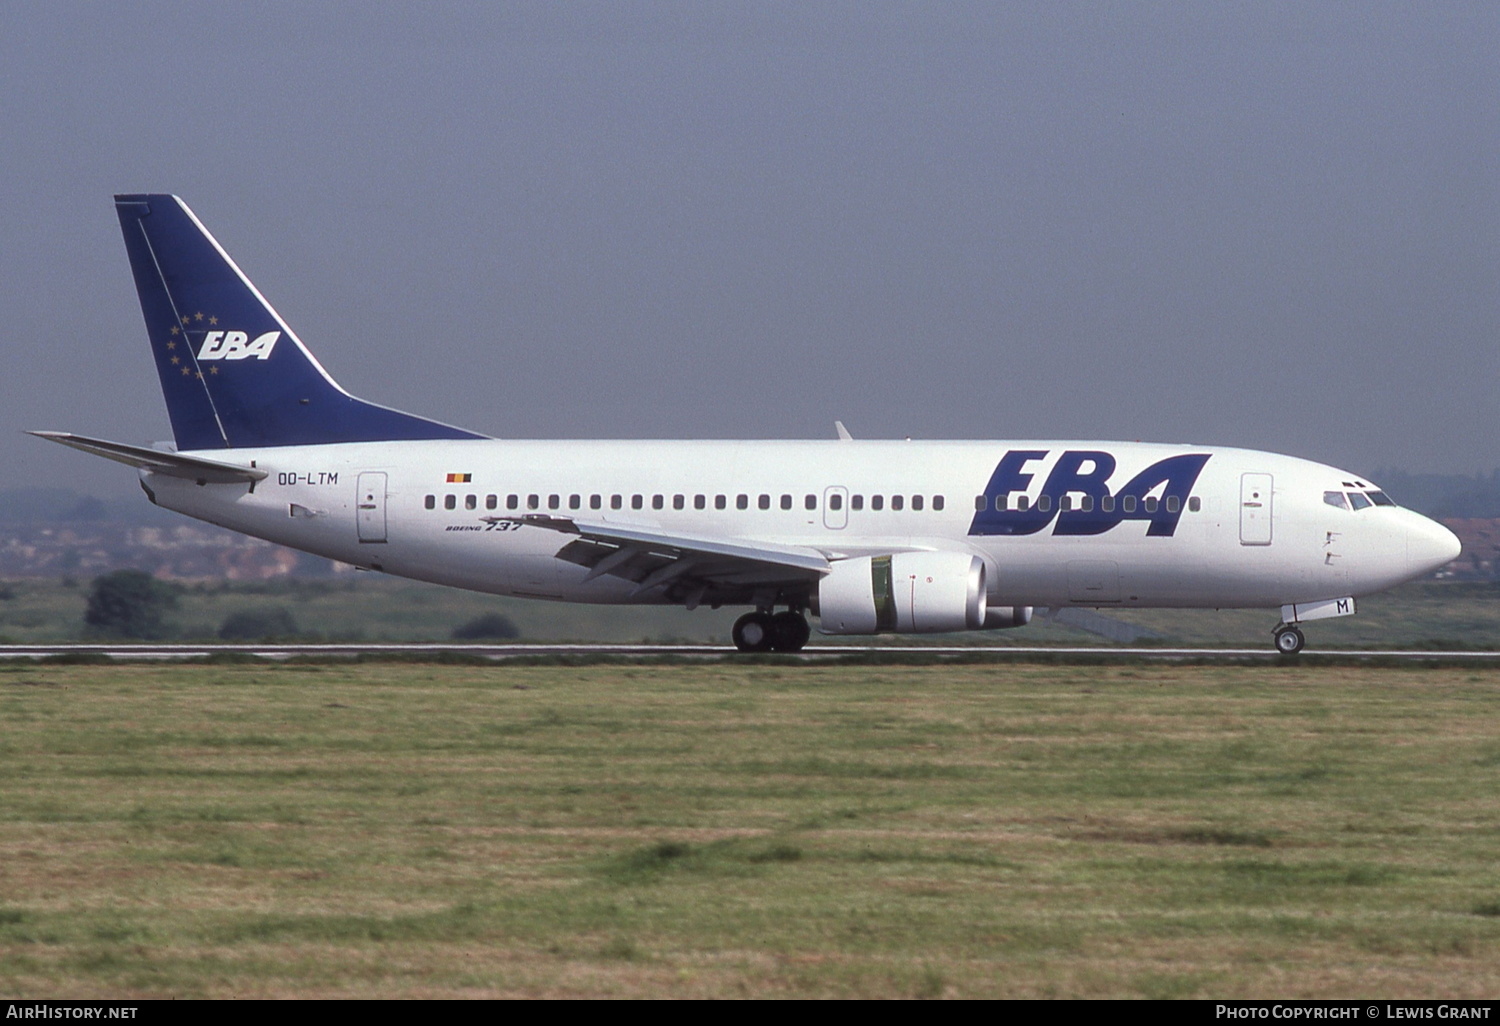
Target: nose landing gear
point(1289, 640)
point(762, 631)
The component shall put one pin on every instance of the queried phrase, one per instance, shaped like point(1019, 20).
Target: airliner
point(869, 536)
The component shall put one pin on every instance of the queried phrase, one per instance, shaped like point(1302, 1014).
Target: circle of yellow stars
point(187, 320)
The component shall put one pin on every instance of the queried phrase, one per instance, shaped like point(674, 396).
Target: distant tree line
point(258, 624)
point(129, 604)
point(133, 604)
point(487, 627)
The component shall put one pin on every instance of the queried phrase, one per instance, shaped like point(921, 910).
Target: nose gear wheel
point(1289, 640)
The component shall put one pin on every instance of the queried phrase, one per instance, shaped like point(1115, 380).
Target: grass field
point(370, 607)
point(381, 829)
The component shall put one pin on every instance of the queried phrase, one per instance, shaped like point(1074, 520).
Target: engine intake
point(904, 593)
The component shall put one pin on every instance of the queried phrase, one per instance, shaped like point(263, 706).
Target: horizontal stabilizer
point(172, 464)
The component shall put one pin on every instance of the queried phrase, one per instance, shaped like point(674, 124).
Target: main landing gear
point(763, 631)
point(1289, 640)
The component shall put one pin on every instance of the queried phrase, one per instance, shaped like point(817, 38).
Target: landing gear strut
point(1289, 640)
point(765, 632)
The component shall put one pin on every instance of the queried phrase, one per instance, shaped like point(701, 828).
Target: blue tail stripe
point(233, 374)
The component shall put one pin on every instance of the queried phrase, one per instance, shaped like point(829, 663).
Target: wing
point(688, 568)
point(194, 468)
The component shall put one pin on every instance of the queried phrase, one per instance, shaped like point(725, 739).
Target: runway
point(500, 653)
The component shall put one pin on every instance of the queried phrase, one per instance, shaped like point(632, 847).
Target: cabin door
point(1255, 509)
point(836, 507)
point(371, 507)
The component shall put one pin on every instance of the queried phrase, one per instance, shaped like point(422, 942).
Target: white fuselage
point(1254, 529)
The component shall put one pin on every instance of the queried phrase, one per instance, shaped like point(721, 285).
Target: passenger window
point(1194, 504)
point(856, 502)
point(575, 502)
point(786, 502)
point(765, 501)
point(430, 502)
point(491, 501)
point(1127, 504)
point(471, 502)
point(1086, 503)
point(742, 501)
point(512, 502)
point(596, 502)
point(450, 502)
point(1107, 503)
point(1151, 504)
point(616, 502)
point(1065, 504)
point(835, 501)
point(982, 503)
point(657, 502)
point(1174, 504)
point(916, 502)
point(700, 502)
point(1336, 499)
point(637, 501)
point(1358, 501)
point(1044, 503)
point(679, 502)
point(1381, 499)
point(897, 502)
point(721, 502)
point(554, 501)
point(1022, 503)
point(877, 502)
point(937, 503)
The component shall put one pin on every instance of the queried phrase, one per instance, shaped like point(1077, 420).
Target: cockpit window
point(1358, 501)
point(1381, 499)
point(1335, 499)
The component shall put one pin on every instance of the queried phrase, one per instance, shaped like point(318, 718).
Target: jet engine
point(999, 618)
point(904, 593)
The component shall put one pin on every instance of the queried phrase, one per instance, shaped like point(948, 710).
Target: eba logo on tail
point(236, 345)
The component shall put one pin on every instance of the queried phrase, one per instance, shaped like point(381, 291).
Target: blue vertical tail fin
point(233, 373)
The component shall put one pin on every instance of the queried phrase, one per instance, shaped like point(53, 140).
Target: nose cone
point(1429, 545)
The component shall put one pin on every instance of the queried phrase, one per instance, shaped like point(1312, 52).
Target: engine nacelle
point(904, 593)
point(997, 618)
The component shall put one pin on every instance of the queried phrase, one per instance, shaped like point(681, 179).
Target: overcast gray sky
point(1260, 224)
